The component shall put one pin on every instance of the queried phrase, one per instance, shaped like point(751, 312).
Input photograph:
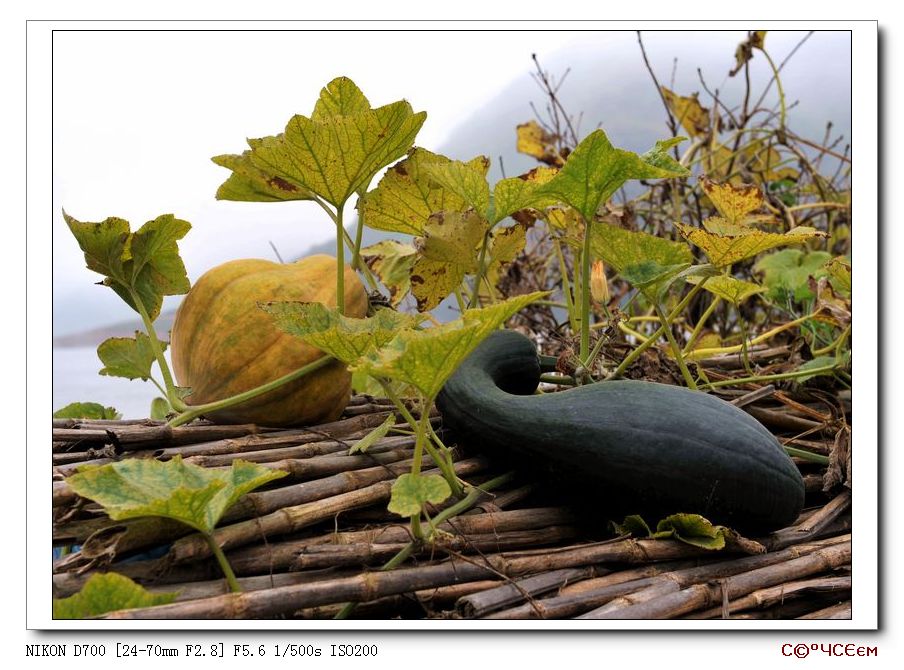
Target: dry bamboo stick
point(291, 519)
point(776, 419)
point(429, 600)
point(372, 585)
point(840, 611)
point(595, 593)
point(484, 602)
point(669, 601)
point(821, 521)
point(326, 466)
point(281, 555)
point(312, 450)
point(331, 555)
point(773, 595)
point(142, 436)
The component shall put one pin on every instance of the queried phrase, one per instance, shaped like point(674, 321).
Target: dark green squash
point(624, 447)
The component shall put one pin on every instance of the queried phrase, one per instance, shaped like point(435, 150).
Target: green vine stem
point(630, 358)
point(224, 564)
point(769, 334)
point(340, 262)
point(769, 378)
point(174, 400)
point(481, 261)
point(698, 328)
point(566, 286)
point(806, 455)
point(444, 466)
point(193, 412)
point(781, 91)
point(676, 350)
point(472, 496)
point(585, 298)
point(835, 345)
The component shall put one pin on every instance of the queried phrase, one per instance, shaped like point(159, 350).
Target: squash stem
point(198, 410)
point(224, 564)
point(463, 505)
point(174, 400)
point(676, 350)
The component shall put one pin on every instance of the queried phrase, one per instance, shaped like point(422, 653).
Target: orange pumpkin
point(222, 344)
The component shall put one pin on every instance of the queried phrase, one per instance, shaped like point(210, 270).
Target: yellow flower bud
point(599, 285)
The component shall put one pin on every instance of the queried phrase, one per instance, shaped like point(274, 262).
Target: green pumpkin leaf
point(729, 288)
point(342, 337)
point(725, 250)
point(516, 193)
point(644, 260)
point(248, 183)
point(692, 529)
point(107, 592)
point(426, 359)
point(786, 273)
point(160, 407)
point(632, 525)
point(446, 253)
point(86, 410)
point(337, 151)
point(128, 357)
point(341, 97)
point(373, 436)
point(410, 493)
point(839, 271)
point(392, 262)
point(146, 261)
point(466, 180)
point(596, 169)
point(191, 494)
point(408, 195)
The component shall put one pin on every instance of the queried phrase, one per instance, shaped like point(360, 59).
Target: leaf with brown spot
point(248, 183)
point(446, 253)
point(408, 194)
point(392, 262)
point(518, 193)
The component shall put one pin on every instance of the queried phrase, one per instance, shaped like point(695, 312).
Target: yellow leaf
point(729, 288)
point(534, 141)
point(733, 202)
point(692, 116)
point(446, 253)
point(724, 250)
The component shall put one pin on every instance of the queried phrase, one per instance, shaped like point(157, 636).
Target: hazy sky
point(137, 116)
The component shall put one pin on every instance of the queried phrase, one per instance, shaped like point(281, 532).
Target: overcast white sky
point(137, 115)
